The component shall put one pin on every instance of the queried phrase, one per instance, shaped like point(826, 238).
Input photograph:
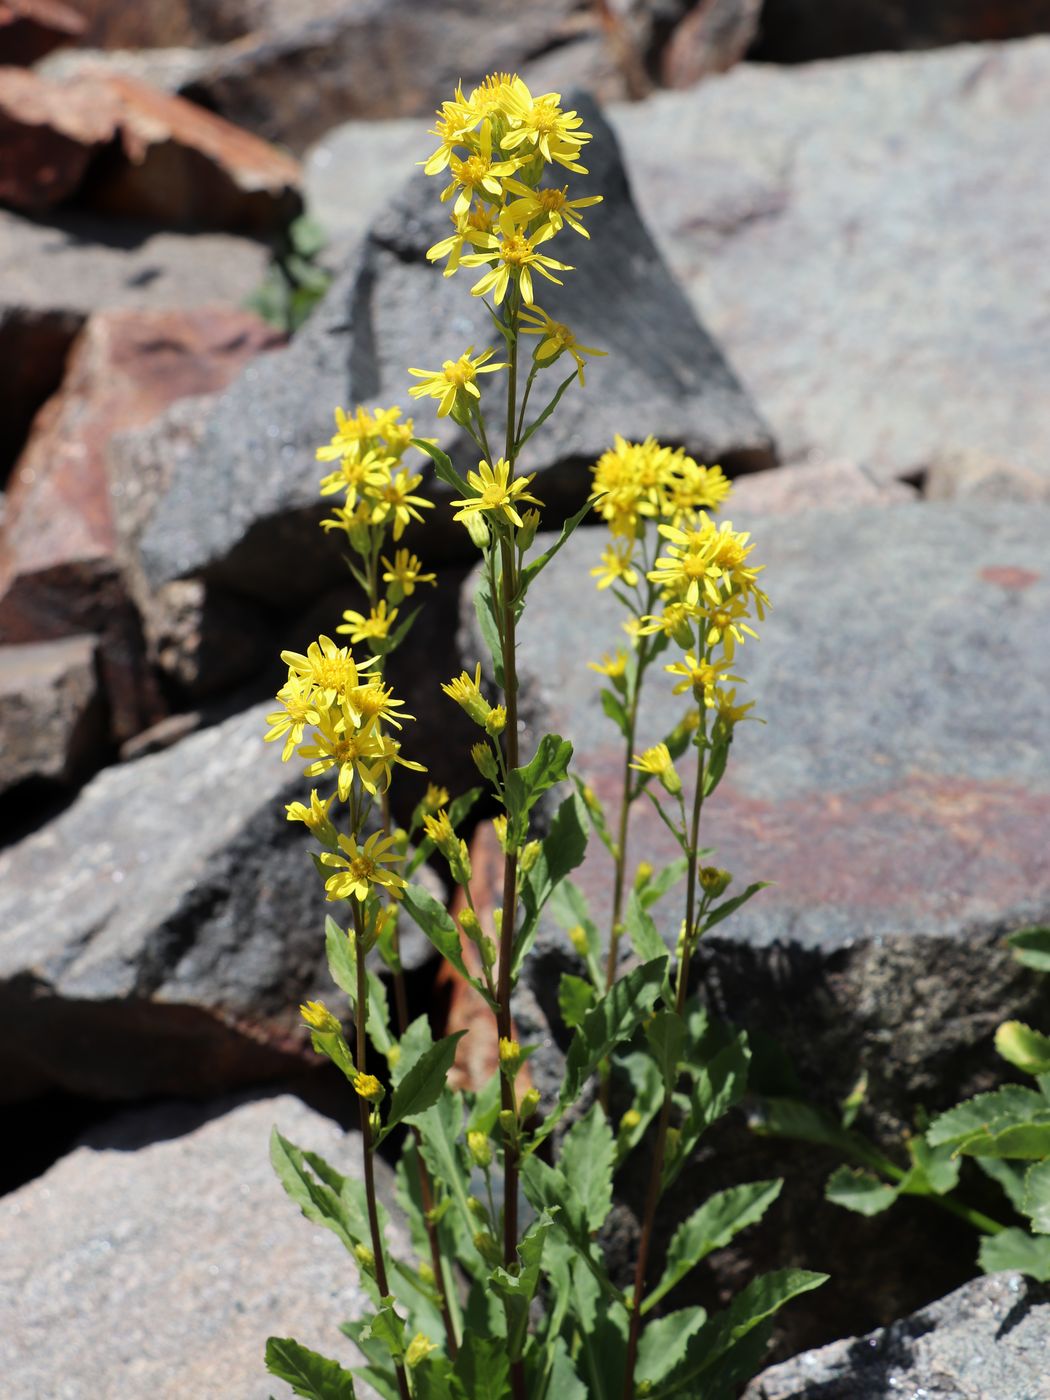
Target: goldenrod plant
point(508, 1293)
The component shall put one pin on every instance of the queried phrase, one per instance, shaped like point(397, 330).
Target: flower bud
point(496, 721)
point(471, 925)
point(319, 1018)
point(643, 875)
point(485, 761)
point(530, 854)
point(477, 529)
point(393, 1056)
point(480, 1149)
point(488, 1249)
point(630, 1121)
point(459, 863)
point(366, 1259)
point(578, 939)
point(368, 1087)
point(530, 1102)
point(488, 951)
point(508, 1123)
point(530, 523)
point(714, 882)
point(426, 1274)
point(419, 1348)
point(509, 1056)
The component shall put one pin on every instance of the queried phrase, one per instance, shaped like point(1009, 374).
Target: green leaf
point(559, 1380)
point(518, 1290)
point(595, 814)
point(663, 1343)
point(525, 786)
point(416, 1040)
point(482, 1367)
point(935, 1170)
point(1009, 1122)
point(421, 1083)
point(320, 1200)
point(613, 1019)
point(1032, 947)
point(440, 1145)
point(803, 1122)
point(614, 708)
point(1018, 1044)
point(719, 1082)
point(341, 962)
point(562, 850)
point(442, 465)
point(535, 566)
point(859, 1191)
point(575, 999)
point(665, 1034)
point(1006, 1175)
point(440, 927)
point(538, 422)
point(722, 911)
point(664, 880)
point(588, 1152)
point(569, 906)
point(386, 1328)
point(648, 1095)
point(1015, 1249)
point(761, 1298)
point(433, 1379)
point(312, 1376)
point(1037, 1197)
point(485, 609)
point(711, 1227)
point(642, 931)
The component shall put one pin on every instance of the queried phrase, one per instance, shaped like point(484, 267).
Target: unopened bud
point(368, 1087)
point(509, 1056)
point(477, 529)
point(366, 1259)
point(488, 1249)
point(393, 1056)
point(508, 1123)
point(674, 1138)
point(530, 1102)
point(476, 1208)
point(578, 939)
point(530, 523)
point(471, 925)
point(714, 882)
point(630, 1121)
point(319, 1018)
point(485, 761)
point(419, 1348)
point(480, 1149)
point(459, 863)
point(426, 1274)
point(488, 952)
point(643, 875)
point(496, 722)
point(530, 854)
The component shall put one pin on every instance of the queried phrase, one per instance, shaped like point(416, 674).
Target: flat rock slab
point(865, 240)
point(391, 309)
point(52, 715)
point(158, 936)
point(898, 798)
point(986, 1341)
point(158, 1256)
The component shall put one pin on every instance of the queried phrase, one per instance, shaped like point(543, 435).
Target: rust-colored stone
point(31, 28)
point(49, 134)
point(58, 569)
point(714, 35)
point(1008, 576)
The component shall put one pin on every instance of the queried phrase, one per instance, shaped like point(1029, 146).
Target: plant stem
point(368, 1152)
point(652, 1197)
point(510, 864)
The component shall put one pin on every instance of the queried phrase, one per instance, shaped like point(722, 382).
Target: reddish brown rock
point(185, 167)
point(31, 28)
point(714, 35)
point(48, 137)
point(51, 711)
point(59, 573)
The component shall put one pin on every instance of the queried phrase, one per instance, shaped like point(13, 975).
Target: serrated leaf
point(440, 927)
point(1037, 1197)
point(665, 1035)
point(663, 1343)
point(482, 1367)
point(559, 1380)
point(761, 1298)
point(416, 1040)
point(421, 1083)
point(386, 1328)
point(711, 1227)
point(312, 1376)
point(1007, 1176)
point(525, 786)
point(575, 999)
point(729, 906)
point(537, 565)
point(859, 1191)
point(442, 465)
point(518, 1290)
point(802, 1122)
point(1031, 946)
point(319, 1198)
point(937, 1168)
point(434, 1379)
point(588, 1152)
point(1016, 1249)
point(440, 1145)
point(978, 1125)
point(1020, 1045)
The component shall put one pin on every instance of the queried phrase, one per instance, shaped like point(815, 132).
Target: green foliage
point(1032, 947)
point(420, 1083)
point(311, 1376)
point(295, 281)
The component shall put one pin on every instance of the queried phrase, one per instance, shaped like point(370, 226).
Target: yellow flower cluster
point(496, 146)
point(346, 708)
point(636, 482)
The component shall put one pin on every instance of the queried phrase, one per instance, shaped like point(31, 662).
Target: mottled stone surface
point(52, 716)
point(391, 310)
point(48, 138)
point(865, 240)
point(986, 1341)
point(157, 1257)
point(158, 935)
point(54, 275)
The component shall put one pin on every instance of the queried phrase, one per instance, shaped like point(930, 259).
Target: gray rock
point(158, 1256)
point(898, 798)
point(52, 276)
point(863, 239)
point(390, 310)
point(52, 717)
point(159, 934)
point(986, 1341)
point(955, 476)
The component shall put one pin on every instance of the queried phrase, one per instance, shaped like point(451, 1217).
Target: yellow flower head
point(361, 868)
point(613, 666)
point(404, 573)
point(466, 691)
point(538, 124)
point(498, 494)
point(315, 817)
point(376, 625)
point(396, 505)
point(513, 252)
point(418, 1349)
point(319, 1018)
point(548, 206)
point(556, 339)
point(330, 670)
point(369, 1087)
point(658, 763)
point(453, 379)
point(628, 485)
point(439, 830)
point(698, 675)
point(616, 566)
point(434, 798)
point(724, 703)
point(297, 696)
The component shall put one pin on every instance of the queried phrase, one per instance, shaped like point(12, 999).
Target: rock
point(31, 28)
point(713, 36)
point(48, 136)
point(158, 935)
point(161, 1253)
point(897, 800)
point(52, 717)
point(794, 31)
point(830, 485)
point(836, 233)
point(390, 310)
point(379, 153)
point(162, 735)
point(964, 475)
point(987, 1339)
point(55, 275)
point(59, 572)
point(111, 24)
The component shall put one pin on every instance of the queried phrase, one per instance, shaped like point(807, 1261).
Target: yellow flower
point(499, 825)
point(406, 572)
point(540, 123)
point(497, 493)
point(369, 1087)
point(330, 669)
point(612, 666)
point(709, 558)
point(628, 486)
point(358, 475)
point(553, 206)
point(691, 487)
point(351, 431)
point(466, 691)
point(513, 251)
point(699, 675)
point(616, 565)
point(455, 377)
point(439, 829)
point(377, 624)
point(469, 226)
point(557, 338)
point(435, 798)
point(318, 1017)
point(360, 754)
point(478, 175)
point(418, 1349)
point(315, 817)
point(361, 869)
point(729, 712)
point(300, 709)
point(397, 505)
point(724, 623)
point(374, 701)
point(657, 761)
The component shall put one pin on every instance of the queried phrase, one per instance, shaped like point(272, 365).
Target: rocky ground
point(829, 276)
